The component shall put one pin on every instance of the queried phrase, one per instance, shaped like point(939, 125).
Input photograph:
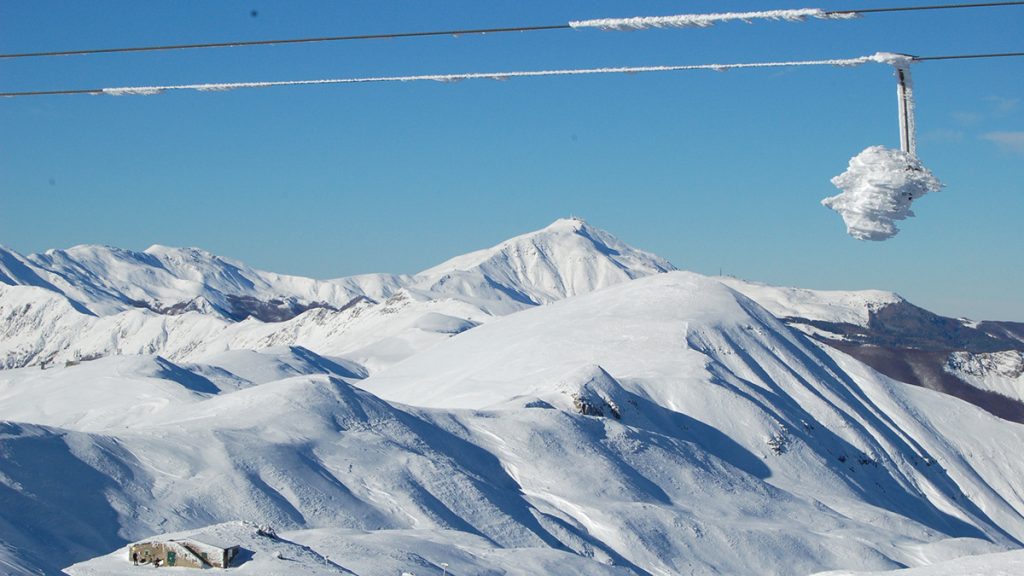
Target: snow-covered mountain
point(999, 372)
point(184, 304)
point(975, 361)
point(105, 280)
point(664, 425)
point(559, 403)
point(567, 258)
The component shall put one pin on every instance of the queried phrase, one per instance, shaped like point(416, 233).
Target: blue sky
point(714, 171)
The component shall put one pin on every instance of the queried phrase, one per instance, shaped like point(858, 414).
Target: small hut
point(203, 550)
point(213, 550)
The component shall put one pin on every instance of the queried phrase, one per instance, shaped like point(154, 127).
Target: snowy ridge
point(568, 257)
point(768, 453)
point(41, 328)
point(748, 355)
point(15, 270)
point(639, 422)
point(332, 551)
point(976, 361)
point(1000, 372)
point(1000, 564)
point(173, 280)
point(834, 306)
point(186, 303)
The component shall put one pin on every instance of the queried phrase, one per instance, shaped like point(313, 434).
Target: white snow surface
point(332, 551)
point(836, 306)
point(635, 423)
point(761, 451)
point(567, 258)
point(108, 280)
point(1001, 372)
point(375, 320)
point(878, 188)
point(998, 564)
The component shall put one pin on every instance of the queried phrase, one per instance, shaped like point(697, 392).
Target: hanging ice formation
point(880, 183)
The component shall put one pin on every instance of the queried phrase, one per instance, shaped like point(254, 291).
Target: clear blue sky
point(710, 170)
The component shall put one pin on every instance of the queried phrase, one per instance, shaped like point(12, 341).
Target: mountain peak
point(160, 249)
point(566, 258)
point(572, 223)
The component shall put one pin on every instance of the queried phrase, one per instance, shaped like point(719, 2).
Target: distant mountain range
point(94, 301)
point(558, 401)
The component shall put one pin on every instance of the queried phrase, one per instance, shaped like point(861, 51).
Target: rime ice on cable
point(707, 20)
point(880, 183)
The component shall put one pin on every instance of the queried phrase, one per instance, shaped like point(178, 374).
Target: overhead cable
point(706, 20)
point(634, 23)
point(880, 57)
point(968, 56)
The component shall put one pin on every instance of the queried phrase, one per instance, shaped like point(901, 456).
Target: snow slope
point(185, 303)
point(41, 328)
point(833, 306)
point(568, 257)
point(692, 345)
point(335, 551)
point(1000, 372)
point(979, 362)
point(664, 425)
point(108, 280)
point(1001, 564)
point(122, 392)
point(637, 422)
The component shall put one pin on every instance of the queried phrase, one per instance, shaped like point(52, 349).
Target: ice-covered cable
point(657, 21)
point(706, 20)
point(881, 57)
point(148, 90)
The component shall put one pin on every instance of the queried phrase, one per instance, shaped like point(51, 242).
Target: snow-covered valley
point(560, 403)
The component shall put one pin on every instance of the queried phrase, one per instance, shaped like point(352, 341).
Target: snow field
point(637, 423)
